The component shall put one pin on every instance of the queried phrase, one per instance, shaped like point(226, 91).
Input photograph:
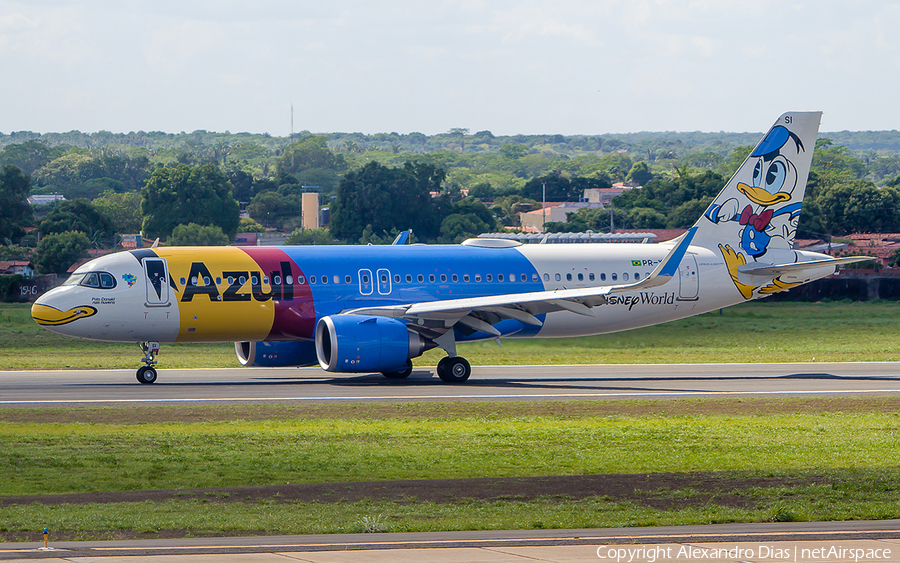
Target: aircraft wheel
point(146, 374)
point(400, 374)
point(455, 370)
point(442, 367)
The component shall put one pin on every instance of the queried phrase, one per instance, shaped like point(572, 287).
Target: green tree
point(15, 212)
point(57, 252)
point(385, 199)
point(311, 236)
point(193, 234)
point(122, 209)
point(860, 207)
point(78, 215)
point(30, 155)
point(639, 173)
point(188, 194)
point(248, 225)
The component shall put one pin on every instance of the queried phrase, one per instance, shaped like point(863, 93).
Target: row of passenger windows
point(420, 278)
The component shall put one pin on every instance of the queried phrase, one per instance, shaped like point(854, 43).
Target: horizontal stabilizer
point(796, 267)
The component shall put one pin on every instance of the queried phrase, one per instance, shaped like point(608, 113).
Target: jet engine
point(298, 353)
point(361, 343)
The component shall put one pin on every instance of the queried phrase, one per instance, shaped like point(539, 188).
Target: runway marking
point(425, 397)
point(545, 540)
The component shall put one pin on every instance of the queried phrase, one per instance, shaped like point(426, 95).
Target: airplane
point(369, 309)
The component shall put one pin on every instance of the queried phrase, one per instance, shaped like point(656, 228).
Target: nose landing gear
point(147, 373)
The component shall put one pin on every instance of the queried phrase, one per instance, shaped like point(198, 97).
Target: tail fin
point(757, 212)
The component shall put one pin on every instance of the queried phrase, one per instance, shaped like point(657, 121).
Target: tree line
point(191, 194)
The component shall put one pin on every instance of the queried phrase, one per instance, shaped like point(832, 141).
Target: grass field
point(838, 460)
point(752, 332)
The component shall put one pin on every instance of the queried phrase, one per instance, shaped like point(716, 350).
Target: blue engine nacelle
point(298, 353)
point(361, 343)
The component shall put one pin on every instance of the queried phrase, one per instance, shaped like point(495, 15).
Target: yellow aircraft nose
point(46, 315)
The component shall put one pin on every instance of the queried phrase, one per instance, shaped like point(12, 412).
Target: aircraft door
point(365, 282)
point(384, 282)
point(157, 276)
point(688, 278)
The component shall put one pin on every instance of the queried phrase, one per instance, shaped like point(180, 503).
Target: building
point(45, 199)
point(309, 212)
point(533, 221)
point(16, 267)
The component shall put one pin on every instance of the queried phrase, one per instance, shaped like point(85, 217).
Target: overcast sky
point(566, 66)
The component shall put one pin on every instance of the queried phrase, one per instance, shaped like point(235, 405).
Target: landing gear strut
point(147, 373)
point(454, 369)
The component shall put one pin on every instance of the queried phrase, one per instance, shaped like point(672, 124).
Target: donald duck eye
point(775, 176)
point(757, 172)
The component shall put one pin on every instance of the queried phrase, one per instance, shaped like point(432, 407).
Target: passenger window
point(568, 277)
point(602, 277)
point(443, 278)
point(184, 281)
point(488, 277)
point(265, 280)
point(218, 281)
point(408, 278)
point(348, 279)
point(615, 277)
point(324, 279)
point(241, 279)
point(499, 277)
point(534, 277)
point(523, 277)
point(546, 277)
point(591, 276)
point(396, 278)
point(383, 278)
point(365, 278)
point(253, 280)
point(431, 278)
point(421, 278)
point(455, 278)
point(580, 277)
point(466, 278)
point(478, 277)
point(193, 280)
point(625, 276)
point(637, 276)
point(337, 278)
point(312, 279)
point(557, 277)
point(277, 280)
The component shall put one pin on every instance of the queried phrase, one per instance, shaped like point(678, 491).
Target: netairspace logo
point(773, 553)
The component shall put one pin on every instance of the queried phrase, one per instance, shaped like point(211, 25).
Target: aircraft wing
point(478, 312)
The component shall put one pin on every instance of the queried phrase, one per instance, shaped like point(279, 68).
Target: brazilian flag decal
point(635, 262)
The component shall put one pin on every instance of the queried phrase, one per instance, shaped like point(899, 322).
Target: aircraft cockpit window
point(96, 280)
point(74, 279)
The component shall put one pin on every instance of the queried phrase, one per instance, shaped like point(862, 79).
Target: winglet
point(402, 238)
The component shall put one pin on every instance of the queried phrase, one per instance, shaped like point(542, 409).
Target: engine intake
point(362, 343)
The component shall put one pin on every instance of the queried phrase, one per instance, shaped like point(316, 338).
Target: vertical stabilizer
point(754, 218)
point(757, 212)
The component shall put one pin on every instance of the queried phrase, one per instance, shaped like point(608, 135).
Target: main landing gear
point(454, 369)
point(147, 373)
